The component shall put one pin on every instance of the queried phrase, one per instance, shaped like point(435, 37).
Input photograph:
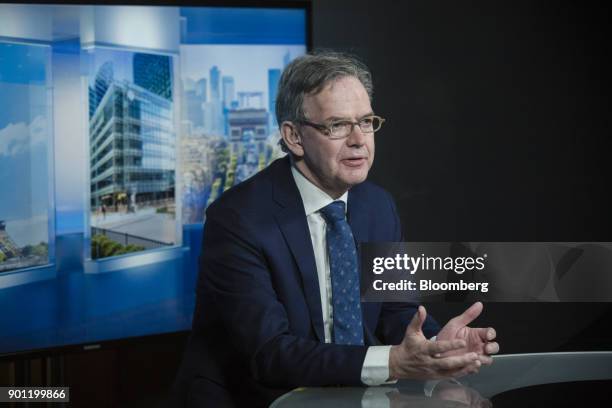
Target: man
point(278, 292)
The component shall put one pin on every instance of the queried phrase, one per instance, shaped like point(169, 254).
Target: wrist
point(393, 373)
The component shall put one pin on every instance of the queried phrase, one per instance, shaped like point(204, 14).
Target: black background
point(498, 128)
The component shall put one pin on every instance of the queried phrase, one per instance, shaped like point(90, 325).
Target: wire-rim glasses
point(340, 129)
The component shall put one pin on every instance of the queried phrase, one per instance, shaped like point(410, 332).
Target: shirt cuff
point(375, 370)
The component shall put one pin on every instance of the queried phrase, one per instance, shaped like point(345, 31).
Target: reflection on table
point(546, 379)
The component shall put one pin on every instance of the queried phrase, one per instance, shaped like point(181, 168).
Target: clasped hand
point(458, 349)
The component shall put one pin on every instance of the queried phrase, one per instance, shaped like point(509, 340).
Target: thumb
point(417, 322)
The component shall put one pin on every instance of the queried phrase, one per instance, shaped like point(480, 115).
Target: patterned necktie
point(348, 328)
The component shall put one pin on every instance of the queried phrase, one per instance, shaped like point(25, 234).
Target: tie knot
point(333, 212)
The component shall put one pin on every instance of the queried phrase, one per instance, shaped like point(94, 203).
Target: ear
point(292, 138)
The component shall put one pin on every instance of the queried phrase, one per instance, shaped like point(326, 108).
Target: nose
point(356, 137)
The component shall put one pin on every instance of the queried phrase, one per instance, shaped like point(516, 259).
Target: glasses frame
point(327, 129)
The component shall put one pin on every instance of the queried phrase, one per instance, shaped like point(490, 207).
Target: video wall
point(119, 125)
point(132, 120)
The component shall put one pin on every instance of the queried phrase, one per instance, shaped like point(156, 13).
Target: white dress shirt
point(375, 369)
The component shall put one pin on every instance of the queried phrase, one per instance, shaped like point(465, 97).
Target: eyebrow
point(337, 118)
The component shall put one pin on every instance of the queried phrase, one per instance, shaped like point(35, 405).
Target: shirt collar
point(312, 196)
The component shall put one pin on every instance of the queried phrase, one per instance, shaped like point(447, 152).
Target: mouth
point(354, 161)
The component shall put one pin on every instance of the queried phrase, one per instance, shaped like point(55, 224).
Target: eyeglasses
point(342, 128)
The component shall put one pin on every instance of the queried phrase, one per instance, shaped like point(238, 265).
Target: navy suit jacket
point(258, 325)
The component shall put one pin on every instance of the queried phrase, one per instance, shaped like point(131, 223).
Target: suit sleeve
point(395, 316)
point(234, 275)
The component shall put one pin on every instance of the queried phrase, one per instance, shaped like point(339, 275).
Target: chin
point(354, 179)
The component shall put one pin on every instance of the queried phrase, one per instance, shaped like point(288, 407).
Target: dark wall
point(498, 130)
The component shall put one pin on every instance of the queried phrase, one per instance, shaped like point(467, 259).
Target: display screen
point(119, 126)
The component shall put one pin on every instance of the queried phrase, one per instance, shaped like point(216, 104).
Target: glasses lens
point(376, 123)
point(338, 130)
point(341, 129)
point(367, 124)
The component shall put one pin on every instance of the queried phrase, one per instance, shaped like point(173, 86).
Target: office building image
point(132, 155)
point(132, 148)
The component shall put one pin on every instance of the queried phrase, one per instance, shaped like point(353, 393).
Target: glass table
point(514, 380)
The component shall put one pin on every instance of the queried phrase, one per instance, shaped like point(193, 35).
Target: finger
point(442, 346)
point(417, 321)
point(485, 403)
point(446, 404)
point(455, 362)
point(483, 333)
point(485, 360)
point(469, 315)
point(467, 371)
point(491, 334)
point(492, 348)
point(460, 372)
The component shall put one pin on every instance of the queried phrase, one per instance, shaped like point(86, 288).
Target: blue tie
point(348, 328)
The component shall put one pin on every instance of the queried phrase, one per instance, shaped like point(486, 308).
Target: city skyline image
point(228, 127)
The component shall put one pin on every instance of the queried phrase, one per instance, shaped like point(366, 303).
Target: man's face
point(336, 165)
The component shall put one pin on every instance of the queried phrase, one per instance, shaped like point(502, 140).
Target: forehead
point(345, 97)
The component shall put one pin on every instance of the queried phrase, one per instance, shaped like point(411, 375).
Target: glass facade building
point(152, 72)
point(132, 147)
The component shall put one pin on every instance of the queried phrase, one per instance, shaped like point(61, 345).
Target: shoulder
point(373, 194)
point(376, 208)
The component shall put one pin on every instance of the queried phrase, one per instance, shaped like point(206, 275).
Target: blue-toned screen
point(119, 126)
point(25, 127)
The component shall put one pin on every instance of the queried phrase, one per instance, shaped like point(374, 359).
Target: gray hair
point(309, 74)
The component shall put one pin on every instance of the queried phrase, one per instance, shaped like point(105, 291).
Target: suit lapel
point(295, 230)
point(291, 220)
